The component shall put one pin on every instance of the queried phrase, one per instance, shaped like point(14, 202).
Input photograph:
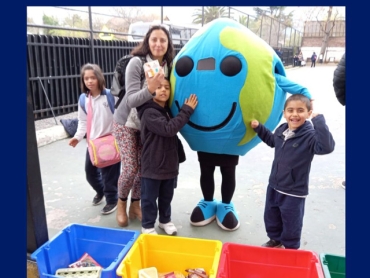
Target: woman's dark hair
point(98, 73)
point(143, 48)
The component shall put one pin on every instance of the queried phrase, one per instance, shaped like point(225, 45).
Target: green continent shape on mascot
point(237, 78)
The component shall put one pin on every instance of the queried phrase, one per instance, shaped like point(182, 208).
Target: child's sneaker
point(169, 228)
point(98, 199)
point(226, 217)
point(108, 208)
point(204, 213)
point(151, 231)
point(273, 244)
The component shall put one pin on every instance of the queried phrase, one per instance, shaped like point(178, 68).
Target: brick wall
point(316, 42)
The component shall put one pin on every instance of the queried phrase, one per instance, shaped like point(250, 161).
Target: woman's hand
point(154, 82)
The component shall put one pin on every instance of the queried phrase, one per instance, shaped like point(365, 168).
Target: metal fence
point(54, 62)
point(274, 32)
point(54, 65)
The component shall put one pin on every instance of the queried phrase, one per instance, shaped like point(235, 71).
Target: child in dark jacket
point(159, 158)
point(295, 142)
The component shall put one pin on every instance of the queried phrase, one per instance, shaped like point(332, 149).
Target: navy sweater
point(292, 162)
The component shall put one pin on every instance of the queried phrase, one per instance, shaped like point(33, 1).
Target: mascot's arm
point(291, 87)
point(266, 135)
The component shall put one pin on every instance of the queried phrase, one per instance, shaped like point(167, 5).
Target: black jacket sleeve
point(339, 80)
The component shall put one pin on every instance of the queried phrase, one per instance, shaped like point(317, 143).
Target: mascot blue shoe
point(204, 213)
point(226, 216)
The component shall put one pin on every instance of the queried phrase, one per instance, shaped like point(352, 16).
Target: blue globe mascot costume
point(237, 77)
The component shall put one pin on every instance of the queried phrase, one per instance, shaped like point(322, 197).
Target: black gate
point(54, 65)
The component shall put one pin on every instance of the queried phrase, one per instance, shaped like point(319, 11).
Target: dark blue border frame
point(14, 131)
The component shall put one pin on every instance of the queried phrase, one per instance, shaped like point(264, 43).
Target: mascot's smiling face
point(232, 72)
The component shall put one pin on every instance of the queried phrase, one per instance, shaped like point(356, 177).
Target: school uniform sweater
point(102, 120)
point(292, 162)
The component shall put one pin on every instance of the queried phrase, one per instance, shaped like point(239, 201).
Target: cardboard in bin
point(334, 266)
point(106, 245)
point(238, 260)
point(171, 253)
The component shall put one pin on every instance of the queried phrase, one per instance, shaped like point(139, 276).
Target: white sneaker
point(151, 231)
point(169, 228)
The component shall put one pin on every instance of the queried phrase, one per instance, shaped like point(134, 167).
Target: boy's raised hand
point(313, 114)
point(254, 123)
point(192, 101)
point(312, 102)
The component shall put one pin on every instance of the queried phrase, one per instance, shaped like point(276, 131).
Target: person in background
point(313, 59)
point(300, 59)
point(295, 143)
point(157, 45)
point(295, 60)
point(339, 84)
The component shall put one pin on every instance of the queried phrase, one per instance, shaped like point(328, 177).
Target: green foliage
point(72, 21)
point(210, 13)
point(243, 20)
point(50, 20)
point(276, 12)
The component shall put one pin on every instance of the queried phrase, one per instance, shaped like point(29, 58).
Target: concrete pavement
point(51, 129)
point(68, 196)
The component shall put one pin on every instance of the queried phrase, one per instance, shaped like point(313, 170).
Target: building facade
point(313, 36)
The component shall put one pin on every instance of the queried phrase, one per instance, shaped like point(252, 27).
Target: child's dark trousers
point(284, 218)
point(151, 190)
point(103, 180)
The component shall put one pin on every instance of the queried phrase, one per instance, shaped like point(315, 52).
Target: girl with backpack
point(102, 180)
point(156, 45)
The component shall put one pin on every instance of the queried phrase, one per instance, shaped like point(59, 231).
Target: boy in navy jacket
point(295, 142)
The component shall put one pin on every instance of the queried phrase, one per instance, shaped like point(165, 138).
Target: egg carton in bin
point(82, 272)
